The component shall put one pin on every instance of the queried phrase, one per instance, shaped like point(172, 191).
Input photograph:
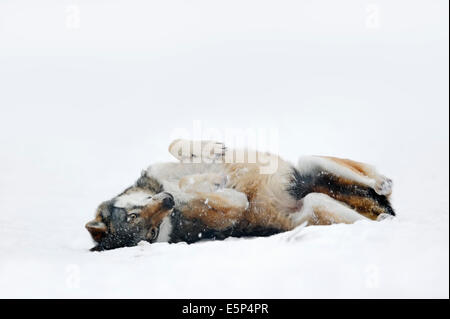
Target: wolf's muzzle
point(168, 201)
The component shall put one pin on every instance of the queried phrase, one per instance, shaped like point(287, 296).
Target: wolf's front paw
point(198, 151)
point(213, 150)
point(383, 186)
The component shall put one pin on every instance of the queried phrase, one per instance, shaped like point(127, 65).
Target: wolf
point(213, 192)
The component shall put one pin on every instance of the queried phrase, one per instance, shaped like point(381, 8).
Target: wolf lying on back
point(215, 198)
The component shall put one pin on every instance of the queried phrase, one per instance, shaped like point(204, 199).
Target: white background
point(91, 92)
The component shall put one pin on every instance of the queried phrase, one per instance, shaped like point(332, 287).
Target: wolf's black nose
point(168, 201)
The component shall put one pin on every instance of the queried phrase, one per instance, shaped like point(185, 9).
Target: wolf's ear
point(97, 229)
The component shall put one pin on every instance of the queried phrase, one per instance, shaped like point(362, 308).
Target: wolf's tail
point(361, 198)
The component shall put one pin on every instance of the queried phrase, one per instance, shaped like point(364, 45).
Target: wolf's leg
point(354, 171)
point(218, 210)
point(197, 151)
point(264, 214)
point(215, 152)
point(321, 209)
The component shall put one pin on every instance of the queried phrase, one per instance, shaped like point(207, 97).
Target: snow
point(85, 107)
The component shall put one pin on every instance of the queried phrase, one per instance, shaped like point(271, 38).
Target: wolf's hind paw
point(198, 151)
point(219, 150)
point(383, 186)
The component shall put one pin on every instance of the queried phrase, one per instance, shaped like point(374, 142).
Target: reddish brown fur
point(360, 168)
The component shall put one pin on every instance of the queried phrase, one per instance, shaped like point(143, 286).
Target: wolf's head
point(132, 216)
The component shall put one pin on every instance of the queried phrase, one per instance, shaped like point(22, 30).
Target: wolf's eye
point(153, 233)
point(132, 217)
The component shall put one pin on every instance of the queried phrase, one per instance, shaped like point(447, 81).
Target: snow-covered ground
point(91, 92)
